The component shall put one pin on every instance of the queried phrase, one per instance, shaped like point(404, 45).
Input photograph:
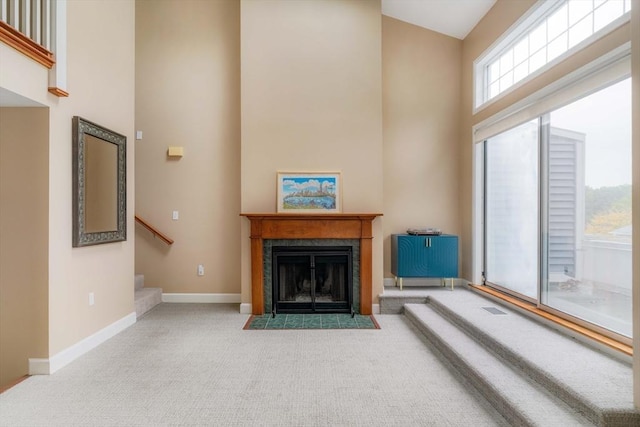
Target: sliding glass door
point(511, 210)
point(588, 209)
point(557, 200)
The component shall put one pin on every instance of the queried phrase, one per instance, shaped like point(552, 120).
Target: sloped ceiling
point(455, 18)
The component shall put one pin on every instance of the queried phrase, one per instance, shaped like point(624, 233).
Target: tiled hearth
point(312, 321)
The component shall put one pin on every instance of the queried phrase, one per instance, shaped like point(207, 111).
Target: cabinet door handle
point(427, 242)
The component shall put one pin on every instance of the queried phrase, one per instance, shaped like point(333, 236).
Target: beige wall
point(503, 14)
point(421, 73)
point(192, 101)
point(311, 101)
point(635, 40)
point(101, 86)
point(24, 228)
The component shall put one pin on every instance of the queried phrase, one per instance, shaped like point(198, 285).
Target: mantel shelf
point(312, 216)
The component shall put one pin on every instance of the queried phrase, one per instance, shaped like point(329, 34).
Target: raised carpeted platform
point(532, 374)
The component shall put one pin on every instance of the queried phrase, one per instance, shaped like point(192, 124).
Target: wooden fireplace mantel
point(311, 226)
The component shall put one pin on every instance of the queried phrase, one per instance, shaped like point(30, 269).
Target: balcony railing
point(38, 29)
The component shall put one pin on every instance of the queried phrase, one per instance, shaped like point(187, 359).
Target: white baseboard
point(375, 309)
point(201, 298)
point(68, 355)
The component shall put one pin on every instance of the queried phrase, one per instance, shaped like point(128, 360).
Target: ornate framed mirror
point(99, 184)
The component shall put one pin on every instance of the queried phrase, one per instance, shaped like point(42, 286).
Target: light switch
point(138, 135)
point(176, 215)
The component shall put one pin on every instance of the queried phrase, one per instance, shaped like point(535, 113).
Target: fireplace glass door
point(312, 280)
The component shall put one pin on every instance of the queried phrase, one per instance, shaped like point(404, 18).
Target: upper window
point(549, 32)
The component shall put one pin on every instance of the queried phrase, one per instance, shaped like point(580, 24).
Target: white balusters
point(4, 10)
point(30, 17)
point(45, 23)
point(13, 13)
point(36, 20)
point(58, 32)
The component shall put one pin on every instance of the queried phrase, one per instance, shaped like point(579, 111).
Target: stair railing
point(38, 29)
point(155, 231)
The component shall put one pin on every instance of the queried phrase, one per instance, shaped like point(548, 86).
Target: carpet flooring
point(194, 365)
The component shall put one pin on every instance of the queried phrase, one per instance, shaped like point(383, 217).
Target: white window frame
point(529, 21)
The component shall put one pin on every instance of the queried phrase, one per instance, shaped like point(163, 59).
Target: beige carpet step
point(393, 302)
point(521, 401)
point(477, 335)
point(595, 383)
point(146, 299)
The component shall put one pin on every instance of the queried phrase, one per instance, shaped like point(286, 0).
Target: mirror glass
point(101, 185)
point(99, 171)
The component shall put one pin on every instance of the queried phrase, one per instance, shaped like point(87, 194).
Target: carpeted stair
point(145, 298)
point(531, 374)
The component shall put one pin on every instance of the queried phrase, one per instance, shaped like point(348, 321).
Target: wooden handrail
point(154, 230)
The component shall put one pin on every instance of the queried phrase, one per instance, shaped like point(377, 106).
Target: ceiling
point(455, 18)
point(10, 99)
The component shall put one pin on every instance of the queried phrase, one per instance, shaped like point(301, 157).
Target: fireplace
point(311, 279)
point(317, 230)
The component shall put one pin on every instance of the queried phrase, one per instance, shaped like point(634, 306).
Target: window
point(553, 30)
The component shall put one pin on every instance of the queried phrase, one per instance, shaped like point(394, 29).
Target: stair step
point(395, 304)
point(146, 299)
point(594, 383)
point(520, 400)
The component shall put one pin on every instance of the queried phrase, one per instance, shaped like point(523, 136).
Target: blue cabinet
point(424, 256)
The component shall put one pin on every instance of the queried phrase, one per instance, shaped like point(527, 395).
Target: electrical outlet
point(200, 270)
point(92, 299)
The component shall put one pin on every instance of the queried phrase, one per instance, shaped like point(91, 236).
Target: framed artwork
point(309, 192)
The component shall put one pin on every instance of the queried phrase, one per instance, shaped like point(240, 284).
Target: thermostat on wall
point(175, 151)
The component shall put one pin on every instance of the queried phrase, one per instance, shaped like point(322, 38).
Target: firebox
point(310, 279)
